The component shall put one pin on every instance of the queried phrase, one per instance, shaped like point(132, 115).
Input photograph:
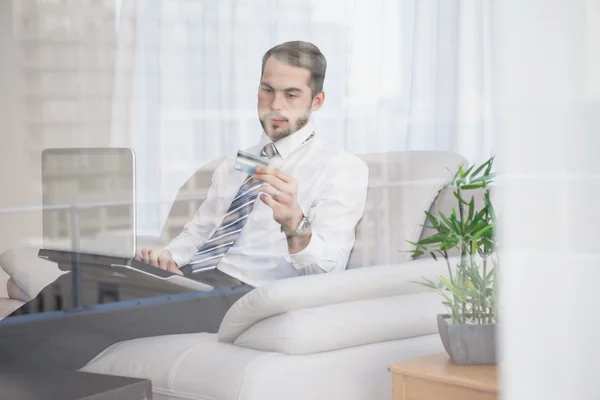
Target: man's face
point(285, 100)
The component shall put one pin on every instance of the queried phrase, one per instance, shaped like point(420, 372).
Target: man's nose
point(277, 102)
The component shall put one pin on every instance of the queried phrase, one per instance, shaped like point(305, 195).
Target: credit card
point(247, 163)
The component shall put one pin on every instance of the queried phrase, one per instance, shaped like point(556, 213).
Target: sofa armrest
point(28, 272)
point(345, 325)
point(308, 292)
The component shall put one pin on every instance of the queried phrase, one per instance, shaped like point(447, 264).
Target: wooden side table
point(435, 377)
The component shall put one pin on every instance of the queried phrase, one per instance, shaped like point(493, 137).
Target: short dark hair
point(304, 55)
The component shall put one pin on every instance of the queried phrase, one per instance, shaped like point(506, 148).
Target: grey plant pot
point(468, 344)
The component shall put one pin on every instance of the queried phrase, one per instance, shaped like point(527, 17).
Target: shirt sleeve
point(197, 231)
point(333, 217)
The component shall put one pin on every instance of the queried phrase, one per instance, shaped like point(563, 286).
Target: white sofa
point(325, 336)
point(315, 337)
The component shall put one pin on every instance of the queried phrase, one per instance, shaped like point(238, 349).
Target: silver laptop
point(89, 201)
point(89, 212)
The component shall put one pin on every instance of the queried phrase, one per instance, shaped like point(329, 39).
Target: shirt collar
point(288, 144)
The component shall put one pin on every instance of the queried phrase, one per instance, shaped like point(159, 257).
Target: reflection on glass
point(86, 193)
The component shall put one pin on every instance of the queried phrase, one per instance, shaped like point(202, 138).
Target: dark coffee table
point(17, 383)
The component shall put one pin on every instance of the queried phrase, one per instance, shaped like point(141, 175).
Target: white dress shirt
point(332, 189)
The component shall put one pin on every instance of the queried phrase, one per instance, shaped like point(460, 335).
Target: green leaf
point(450, 225)
point(478, 185)
point(426, 284)
point(473, 247)
point(467, 172)
point(456, 291)
point(449, 244)
point(456, 225)
point(480, 168)
point(436, 238)
point(475, 277)
point(471, 287)
point(417, 254)
point(418, 245)
point(478, 217)
point(483, 231)
point(489, 206)
point(484, 178)
point(446, 221)
point(471, 208)
point(489, 163)
point(432, 220)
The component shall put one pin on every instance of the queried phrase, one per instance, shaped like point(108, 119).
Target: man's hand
point(283, 196)
point(162, 259)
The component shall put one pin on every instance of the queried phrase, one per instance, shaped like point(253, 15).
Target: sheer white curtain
point(402, 75)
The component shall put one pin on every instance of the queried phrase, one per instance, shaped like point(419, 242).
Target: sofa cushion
point(197, 366)
point(312, 291)
point(339, 326)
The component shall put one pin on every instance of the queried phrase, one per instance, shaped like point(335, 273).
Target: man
point(301, 210)
point(295, 217)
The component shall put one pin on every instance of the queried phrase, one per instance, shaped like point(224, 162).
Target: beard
point(295, 126)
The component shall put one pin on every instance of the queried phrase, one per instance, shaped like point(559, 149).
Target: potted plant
point(468, 331)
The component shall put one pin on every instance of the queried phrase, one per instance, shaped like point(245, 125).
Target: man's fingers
point(163, 262)
point(275, 182)
point(268, 200)
point(159, 259)
point(144, 255)
point(277, 195)
point(270, 171)
point(172, 267)
point(153, 255)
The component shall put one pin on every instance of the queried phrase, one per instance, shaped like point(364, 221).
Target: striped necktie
point(210, 254)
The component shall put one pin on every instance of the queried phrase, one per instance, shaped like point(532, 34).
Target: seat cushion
point(197, 366)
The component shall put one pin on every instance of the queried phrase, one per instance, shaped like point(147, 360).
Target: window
point(118, 211)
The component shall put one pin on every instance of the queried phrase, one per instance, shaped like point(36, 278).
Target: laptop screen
point(89, 201)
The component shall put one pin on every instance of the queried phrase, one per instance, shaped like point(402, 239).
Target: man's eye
point(268, 90)
point(292, 95)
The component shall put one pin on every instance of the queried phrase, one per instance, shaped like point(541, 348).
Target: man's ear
point(317, 101)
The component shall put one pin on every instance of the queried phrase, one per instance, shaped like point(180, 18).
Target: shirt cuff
point(310, 255)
